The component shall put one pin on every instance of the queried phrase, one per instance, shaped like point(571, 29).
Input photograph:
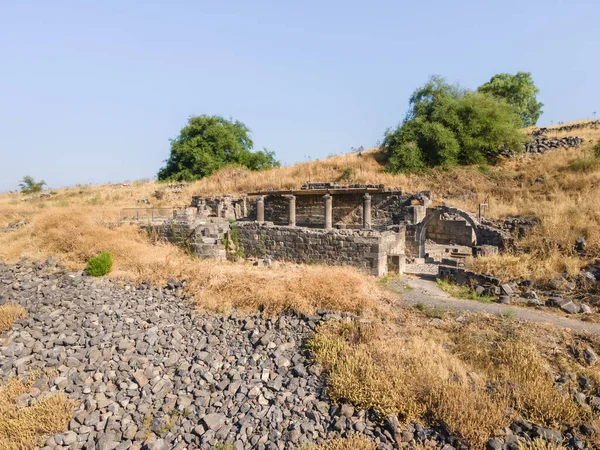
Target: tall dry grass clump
point(73, 235)
point(355, 442)
point(9, 313)
point(414, 377)
point(464, 374)
point(23, 427)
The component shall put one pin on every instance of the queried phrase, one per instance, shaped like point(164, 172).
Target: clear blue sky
point(91, 92)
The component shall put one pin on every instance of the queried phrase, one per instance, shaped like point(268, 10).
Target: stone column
point(260, 209)
point(219, 208)
point(367, 212)
point(292, 210)
point(245, 207)
point(328, 212)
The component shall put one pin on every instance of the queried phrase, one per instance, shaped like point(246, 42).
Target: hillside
point(171, 351)
point(560, 187)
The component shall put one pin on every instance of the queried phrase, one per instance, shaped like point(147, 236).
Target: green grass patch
point(433, 312)
point(462, 292)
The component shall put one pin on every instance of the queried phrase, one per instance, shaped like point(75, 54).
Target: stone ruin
point(377, 229)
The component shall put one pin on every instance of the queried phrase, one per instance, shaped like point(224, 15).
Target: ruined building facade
point(370, 227)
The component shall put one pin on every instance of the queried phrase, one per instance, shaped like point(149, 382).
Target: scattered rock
point(590, 356)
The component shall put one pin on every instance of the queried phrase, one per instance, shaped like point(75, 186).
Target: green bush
point(99, 265)
point(29, 186)
point(447, 125)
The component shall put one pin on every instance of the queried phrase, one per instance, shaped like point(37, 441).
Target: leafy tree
point(29, 186)
point(447, 125)
point(519, 91)
point(209, 143)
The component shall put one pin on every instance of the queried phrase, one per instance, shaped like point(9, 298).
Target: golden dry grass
point(355, 442)
point(540, 444)
point(71, 224)
point(464, 374)
point(76, 234)
point(8, 314)
point(23, 427)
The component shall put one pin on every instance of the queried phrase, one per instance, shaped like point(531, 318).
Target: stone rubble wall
point(368, 250)
point(230, 207)
point(594, 124)
point(204, 237)
point(542, 144)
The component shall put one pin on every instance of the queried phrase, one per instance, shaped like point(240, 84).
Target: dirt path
point(415, 290)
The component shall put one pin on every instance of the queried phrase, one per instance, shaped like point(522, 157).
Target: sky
point(92, 91)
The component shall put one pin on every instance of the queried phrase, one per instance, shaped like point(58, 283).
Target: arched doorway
point(421, 234)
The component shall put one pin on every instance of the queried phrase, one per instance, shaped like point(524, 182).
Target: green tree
point(29, 186)
point(209, 143)
point(447, 125)
point(519, 91)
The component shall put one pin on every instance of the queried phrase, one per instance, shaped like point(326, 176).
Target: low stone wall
point(370, 251)
point(461, 276)
point(542, 144)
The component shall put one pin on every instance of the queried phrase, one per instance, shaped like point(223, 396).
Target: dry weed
point(463, 374)
point(8, 314)
point(540, 444)
point(73, 236)
point(355, 442)
point(415, 377)
point(23, 427)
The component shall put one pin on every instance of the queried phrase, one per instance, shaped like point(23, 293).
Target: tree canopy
point(29, 186)
point(209, 143)
point(447, 125)
point(519, 91)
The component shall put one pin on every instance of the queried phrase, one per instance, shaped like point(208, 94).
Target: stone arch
point(422, 229)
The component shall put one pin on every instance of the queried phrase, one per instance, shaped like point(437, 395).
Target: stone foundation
point(374, 252)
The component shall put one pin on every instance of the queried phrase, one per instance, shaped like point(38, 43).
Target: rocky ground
point(151, 373)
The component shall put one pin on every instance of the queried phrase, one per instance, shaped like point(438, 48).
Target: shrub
point(29, 186)
point(99, 265)
point(8, 314)
point(447, 125)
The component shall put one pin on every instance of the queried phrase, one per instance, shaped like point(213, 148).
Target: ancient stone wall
point(204, 237)
point(224, 207)
point(368, 250)
point(489, 235)
point(387, 208)
point(451, 231)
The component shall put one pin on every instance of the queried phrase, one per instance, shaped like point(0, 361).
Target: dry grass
point(463, 374)
point(71, 224)
point(23, 427)
point(356, 442)
point(76, 234)
point(9, 314)
point(540, 444)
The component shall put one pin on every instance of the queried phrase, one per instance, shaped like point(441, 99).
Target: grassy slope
point(561, 187)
